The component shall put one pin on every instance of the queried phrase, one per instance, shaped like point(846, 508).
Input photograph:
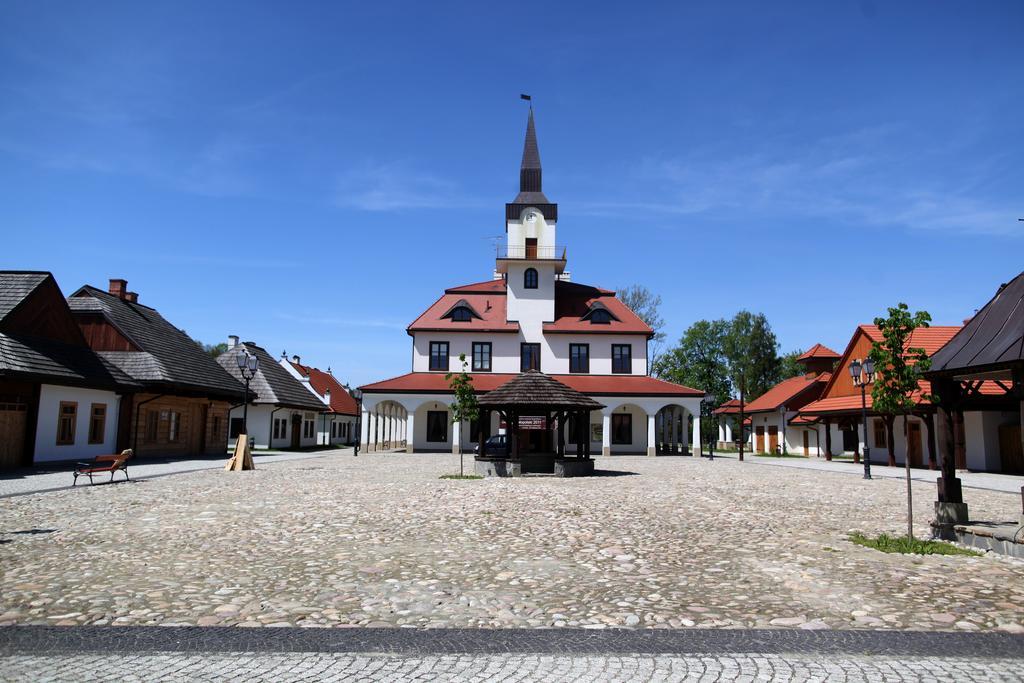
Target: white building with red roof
point(530, 316)
point(336, 425)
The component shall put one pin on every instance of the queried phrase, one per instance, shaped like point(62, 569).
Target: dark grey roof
point(531, 154)
point(534, 389)
point(992, 340)
point(15, 285)
point(58, 363)
point(272, 383)
point(169, 359)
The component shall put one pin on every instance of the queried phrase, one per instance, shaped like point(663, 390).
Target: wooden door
point(1011, 455)
point(531, 247)
point(914, 443)
point(759, 440)
point(807, 444)
point(296, 430)
point(773, 439)
point(13, 420)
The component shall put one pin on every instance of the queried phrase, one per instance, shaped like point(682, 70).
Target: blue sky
point(311, 175)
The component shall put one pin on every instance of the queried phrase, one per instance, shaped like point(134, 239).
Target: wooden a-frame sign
point(242, 459)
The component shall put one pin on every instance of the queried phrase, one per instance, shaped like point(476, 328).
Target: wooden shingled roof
point(991, 342)
point(534, 389)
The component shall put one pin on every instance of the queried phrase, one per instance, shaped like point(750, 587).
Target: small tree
point(751, 355)
point(646, 305)
point(464, 408)
point(897, 375)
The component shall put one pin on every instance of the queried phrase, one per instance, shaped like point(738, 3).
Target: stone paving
point(380, 540)
point(506, 668)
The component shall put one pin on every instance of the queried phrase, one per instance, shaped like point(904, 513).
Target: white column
point(728, 429)
point(456, 436)
point(364, 436)
point(650, 435)
point(410, 430)
point(695, 443)
point(606, 434)
point(685, 427)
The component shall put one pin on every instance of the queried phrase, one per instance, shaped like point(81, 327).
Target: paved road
point(1006, 483)
point(150, 653)
point(41, 479)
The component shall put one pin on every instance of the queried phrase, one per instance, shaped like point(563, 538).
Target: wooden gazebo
point(539, 401)
point(981, 368)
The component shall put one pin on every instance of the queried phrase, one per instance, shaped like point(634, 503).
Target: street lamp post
point(862, 381)
point(358, 396)
point(248, 363)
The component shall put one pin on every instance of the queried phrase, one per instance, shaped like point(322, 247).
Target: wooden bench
point(102, 464)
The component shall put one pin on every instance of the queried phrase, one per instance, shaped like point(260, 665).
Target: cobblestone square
point(380, 540)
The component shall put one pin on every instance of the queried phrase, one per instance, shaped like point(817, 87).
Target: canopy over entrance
point(530, 404)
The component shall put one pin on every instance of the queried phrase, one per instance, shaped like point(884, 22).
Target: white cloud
point(395, 186)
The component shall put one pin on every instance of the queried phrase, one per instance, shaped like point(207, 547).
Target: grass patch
point(461, 476)
point(913, 546)
point(780, 455)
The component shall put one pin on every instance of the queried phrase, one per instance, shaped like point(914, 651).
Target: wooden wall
point(101, 335)
point(44, 313)
point(203, 428)
point(843, 383)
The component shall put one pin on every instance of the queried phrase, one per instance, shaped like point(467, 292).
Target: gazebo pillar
point(483, 419)
point(561, 434)
point(586, 434)
point(949, 507)
point(929, 423)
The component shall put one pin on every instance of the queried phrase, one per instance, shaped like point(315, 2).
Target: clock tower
point(532, 259)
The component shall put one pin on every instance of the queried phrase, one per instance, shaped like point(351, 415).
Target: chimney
point(131, 297)
point(232, 341)
point(296, 360)
point(118, 287)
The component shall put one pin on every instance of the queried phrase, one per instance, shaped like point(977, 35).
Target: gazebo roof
point(534, 389)
point(991, 343)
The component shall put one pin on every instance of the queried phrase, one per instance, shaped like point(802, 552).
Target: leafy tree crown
point(898, 366)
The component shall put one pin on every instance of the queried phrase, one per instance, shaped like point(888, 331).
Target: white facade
point(47, 445)
point(261, 420)
point(331, 429)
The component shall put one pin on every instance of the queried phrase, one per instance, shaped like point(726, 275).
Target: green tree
point(646, 305)
point(751, 355)
point(465, 407)
point(214, 349)
point(897, 369)
point(788, 367)
point(699, 361)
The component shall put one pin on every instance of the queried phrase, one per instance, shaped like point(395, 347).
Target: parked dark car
point(494, 445)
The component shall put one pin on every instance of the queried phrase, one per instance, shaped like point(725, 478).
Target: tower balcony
point(530, 253)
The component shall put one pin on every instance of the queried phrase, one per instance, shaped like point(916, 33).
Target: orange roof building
point(336, 425)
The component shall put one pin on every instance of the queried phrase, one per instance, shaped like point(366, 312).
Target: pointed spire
point(529, 170)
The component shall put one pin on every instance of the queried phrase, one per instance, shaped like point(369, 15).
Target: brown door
point(1011, 455)
point(13, 420)
point(773, 439)
point(759, 440)
point(531, 247)
point(807, 444)
point(296, 430)
point(914, 443)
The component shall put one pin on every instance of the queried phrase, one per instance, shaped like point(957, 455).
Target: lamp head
point(869, 368)
point(855, 367)
point(240, 359)
point(254, 362)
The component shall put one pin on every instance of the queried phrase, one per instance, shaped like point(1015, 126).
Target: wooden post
point(586, 434)
point(828, 439)
point(561, 434)
point(484, 418)
point(889, 421)
point(242, 458)
point(929, 423)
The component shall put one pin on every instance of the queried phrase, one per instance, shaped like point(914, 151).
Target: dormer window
point(530, 278)
point(461, 312)
point(598, 314)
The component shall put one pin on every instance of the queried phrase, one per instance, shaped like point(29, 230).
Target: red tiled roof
point(931, 339)
point(573, 301)
point(819, 351)
point(341, 401)
point(837, 404)
point(593, 385)
point(489, 299)
point(803, 420)
point(730, 407)
point(785, 391)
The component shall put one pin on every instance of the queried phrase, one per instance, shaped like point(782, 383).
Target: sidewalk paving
point(1006, 483)
point(58, 475)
